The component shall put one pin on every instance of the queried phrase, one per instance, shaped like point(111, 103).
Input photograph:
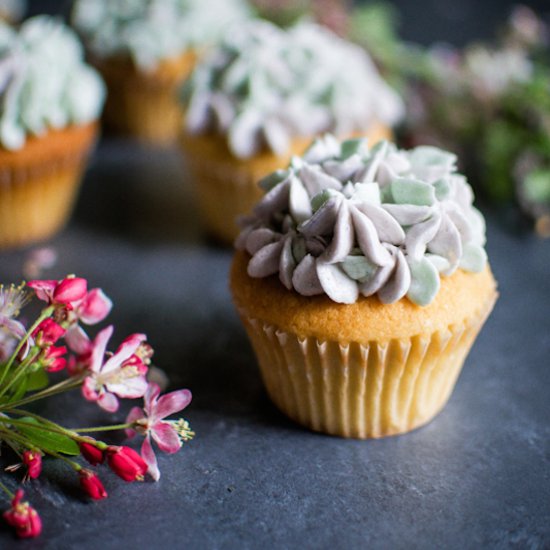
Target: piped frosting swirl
point(152, 30)
point(44, 82)
point(347, 220)
point(263, 86)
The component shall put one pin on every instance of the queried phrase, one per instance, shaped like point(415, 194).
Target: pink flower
point(122, 375)
point(94, 307)
point(23, 517)
point(126, 463)
point(150, 422)
point(48, 332)
point(92, 485)
point(91, 453)
point(33, 461)
point(65, 292)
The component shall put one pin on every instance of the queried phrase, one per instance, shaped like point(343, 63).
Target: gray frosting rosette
point(347, 220)
point(263, 86)
point(152, 30)
point(44, 81)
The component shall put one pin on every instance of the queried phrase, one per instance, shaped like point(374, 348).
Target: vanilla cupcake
point(145, 49)
point(50, 101)
point(362, 281)
point(261, 97)
point(12, 10)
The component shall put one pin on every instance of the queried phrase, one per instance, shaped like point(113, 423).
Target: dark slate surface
point(476, 477)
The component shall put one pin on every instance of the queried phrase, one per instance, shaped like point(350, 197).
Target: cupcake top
point(262, 86)
point(347, 220)
point(44, 82)
point(151, 30)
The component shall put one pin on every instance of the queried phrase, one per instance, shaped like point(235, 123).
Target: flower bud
point(92, 485)
point(126, 463)
point(33, 461)
point(23, 517)
point(91, 453)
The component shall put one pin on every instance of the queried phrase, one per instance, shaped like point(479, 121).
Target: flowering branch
point(28, 356)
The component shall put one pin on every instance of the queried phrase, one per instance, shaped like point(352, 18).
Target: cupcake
point(261, 97)
point(50, 101)
point(145, 49)
point(12, 10)
point(362, 281)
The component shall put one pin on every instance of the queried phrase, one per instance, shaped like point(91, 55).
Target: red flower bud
point(92, 485)
point(23, 517)
point(48, 332)
point(54, 360)
point(33, 461)
point(126, 463)
point(91, 453)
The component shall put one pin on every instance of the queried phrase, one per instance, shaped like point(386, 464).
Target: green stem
point(25, 441)
point(56, 429)
point(64, 386)
point(74, 465)
point(44, 315)
point(6, 490)
point(104, 428)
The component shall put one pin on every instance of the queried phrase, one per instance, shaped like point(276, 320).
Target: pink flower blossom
point(66, 292)
point(150, 422)
point(23, 517)
point(91, 484)
point(94, 307)
point(33, 461)
point(126, 463)
point(122, 375)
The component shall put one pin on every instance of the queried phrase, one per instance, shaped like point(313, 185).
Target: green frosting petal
point(358, 268)
point(270, 181)
point(318, 200)
point(442, 189)
point(424, 282)
point(410, 191)
point(473, 258)
point(354, 146)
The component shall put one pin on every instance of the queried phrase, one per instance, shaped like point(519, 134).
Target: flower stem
point(103, 428)
point(54, 428)
point(64, 386)
point(44, 315)
point(6, 490)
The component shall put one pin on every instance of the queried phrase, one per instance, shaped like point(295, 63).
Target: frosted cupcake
point(362, 281)
point(12, 10)
point(261, 97)
point(145, 49)
point(49, 101)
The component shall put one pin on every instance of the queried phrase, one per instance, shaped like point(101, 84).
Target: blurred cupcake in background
point(12, 10)
point(260, 97)
point(49, 103)
point(145, 49)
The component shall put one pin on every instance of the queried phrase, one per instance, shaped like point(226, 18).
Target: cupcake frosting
point(44, 82)
point(262, 86)
point(347, 220)
point(152, 30)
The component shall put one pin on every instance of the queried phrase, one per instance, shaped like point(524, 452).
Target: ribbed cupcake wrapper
point(35, 202)
point(356, 390)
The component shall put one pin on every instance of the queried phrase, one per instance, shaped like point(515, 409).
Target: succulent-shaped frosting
point(346, 220)
point(262, 86)
point(152, 30)
point(44, 82)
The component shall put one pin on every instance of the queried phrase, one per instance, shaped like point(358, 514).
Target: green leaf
point(46, 440)
point(37, 380)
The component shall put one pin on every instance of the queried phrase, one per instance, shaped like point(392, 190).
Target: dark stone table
point(478, 476)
